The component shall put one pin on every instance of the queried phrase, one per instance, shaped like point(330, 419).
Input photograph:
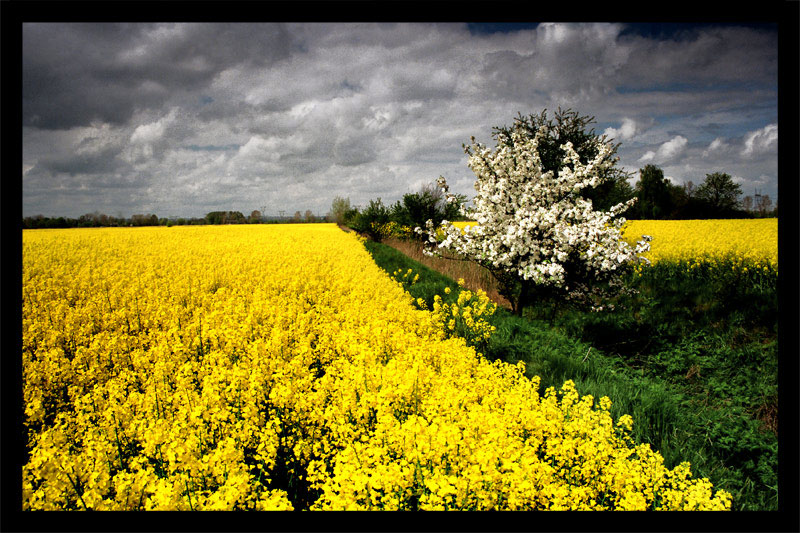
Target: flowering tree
point(536, 233)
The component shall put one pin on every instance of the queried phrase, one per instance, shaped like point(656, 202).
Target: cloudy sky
point(183, 119)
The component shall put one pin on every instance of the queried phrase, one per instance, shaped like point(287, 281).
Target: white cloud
point(147, 140)
point(761, 141)
point(153, 131)
point(625, 132)
point(668, 151)
point(672, 148)
point(302, 109)
point(554, 33)
point(381, 117)
point(260, 149)
point(717, 145)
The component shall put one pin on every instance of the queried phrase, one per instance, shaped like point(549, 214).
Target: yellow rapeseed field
point(751, 240)
point(277, 367)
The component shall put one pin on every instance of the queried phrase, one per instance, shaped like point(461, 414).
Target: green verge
point(693, 373)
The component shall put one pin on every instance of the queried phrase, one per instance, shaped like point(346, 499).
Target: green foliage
point(653, 193)
point(225, 217)
point(565, 126)
point(371, 219)
point(427, 204)
point(686, 206)
point(378, 221)
point(215, 217)
point(614, 190)
point(711, 333)
point(144, 220)
point(720, 193)
point(350, 216)
point(657, 198)
point(340, 207)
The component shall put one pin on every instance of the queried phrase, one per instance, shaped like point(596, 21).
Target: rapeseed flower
point(277, 367)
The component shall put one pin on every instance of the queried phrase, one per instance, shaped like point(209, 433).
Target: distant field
point(755, 240)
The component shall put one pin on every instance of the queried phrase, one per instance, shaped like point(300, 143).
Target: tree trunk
point(525, 294)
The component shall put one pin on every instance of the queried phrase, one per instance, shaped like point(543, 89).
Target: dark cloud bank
point(182, 119)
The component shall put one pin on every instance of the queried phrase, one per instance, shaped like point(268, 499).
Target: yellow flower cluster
point(466, 317)
point(463, 318)
point(461, 224)
point(392, 229)
point(747, 241)
point(404, 278)
point(277, 367)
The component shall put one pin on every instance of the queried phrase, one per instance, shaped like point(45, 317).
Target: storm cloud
point(182, 119)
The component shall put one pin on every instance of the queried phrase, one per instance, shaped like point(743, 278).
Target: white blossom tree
point(536, 234)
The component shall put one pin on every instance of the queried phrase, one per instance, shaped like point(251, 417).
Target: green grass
point(693, 359)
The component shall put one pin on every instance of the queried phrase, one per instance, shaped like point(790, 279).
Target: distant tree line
point(716, 197)
point(412, 210)
point(98, 220)
point(92, 220)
